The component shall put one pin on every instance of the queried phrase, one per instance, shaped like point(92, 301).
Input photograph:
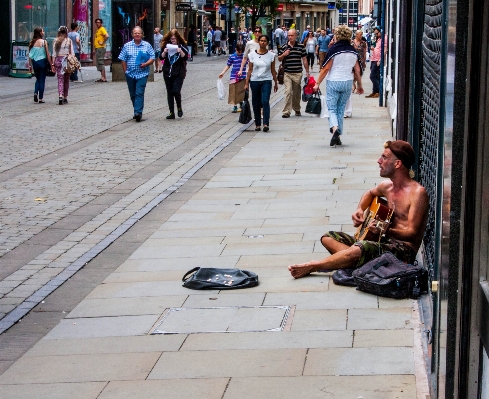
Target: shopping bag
point(324, 108)
point(237, 92)
point(245, 115)
point(220, 89)
point(307, 90)
point(314, 104)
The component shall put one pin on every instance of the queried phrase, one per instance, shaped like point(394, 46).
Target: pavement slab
point(209, 388)
point(323, 387)
point(230, 363)
point(80, 368)
point(360, 361)
point(85, 390)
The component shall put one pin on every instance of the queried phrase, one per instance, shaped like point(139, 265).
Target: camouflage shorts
point(373, 249)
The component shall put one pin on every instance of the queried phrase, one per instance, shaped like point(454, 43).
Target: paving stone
point(360, 361)
point(375, 338)
point(323, 300)
point(209, 388)
point(80, 368)
point(140, 289)
point(85, 390)
point(379, 319)
point(184, 264)
point(320, 387)
point(232, 363)
point(268, 340)
point(89, 346)
point(311, 320)
point(224, 299)
point(103, 327)
point(126, 306)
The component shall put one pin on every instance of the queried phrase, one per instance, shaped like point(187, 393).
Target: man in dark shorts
point(404, 195)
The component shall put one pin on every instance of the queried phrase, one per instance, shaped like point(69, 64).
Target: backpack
point(388, 276)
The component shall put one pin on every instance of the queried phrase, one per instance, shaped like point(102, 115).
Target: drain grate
point(222, 319)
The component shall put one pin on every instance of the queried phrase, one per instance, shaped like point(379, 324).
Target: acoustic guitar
point(379, 211)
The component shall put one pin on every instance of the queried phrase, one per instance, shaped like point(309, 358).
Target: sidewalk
point(264, 204)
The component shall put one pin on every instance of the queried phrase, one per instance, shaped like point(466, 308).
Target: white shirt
point(261, 65)
point(250, 47)
point(342, 67)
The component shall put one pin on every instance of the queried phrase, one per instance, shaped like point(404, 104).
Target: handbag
point(314, 104)
point(245, 115)
point(280, 74)
point(210, 278)
point(49, 71)
point(388, 276)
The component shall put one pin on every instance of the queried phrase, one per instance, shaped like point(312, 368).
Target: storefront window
point(30, 14)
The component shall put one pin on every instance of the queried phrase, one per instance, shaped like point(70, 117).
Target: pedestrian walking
point(261, 72)
point(217, 40)
point(310, 43)
point(360, 45)
point(251, 45)
point(210, 35)
point(157, 38)
point(62, 46)
point(136, 56)
point(75, 39)
point(175, 56)
point(375, 63)
point(39, 62)
point(101, 37)
point(337, 69)
point(293, 57)
point(234, 62)
point(322, 46)
point(192, 42)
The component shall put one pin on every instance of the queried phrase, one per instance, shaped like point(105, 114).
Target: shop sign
point(183, 7)
point(20, 56)
point(280, 7)
point(290, 7)
point(286, 14)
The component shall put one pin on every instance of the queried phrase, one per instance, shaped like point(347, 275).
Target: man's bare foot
point(301, 270)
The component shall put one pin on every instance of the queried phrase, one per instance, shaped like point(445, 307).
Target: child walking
point(234, 62)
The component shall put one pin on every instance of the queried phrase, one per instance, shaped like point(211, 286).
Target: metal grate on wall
point(430, 118)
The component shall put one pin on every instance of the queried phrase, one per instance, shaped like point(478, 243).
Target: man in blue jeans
point(136, 56)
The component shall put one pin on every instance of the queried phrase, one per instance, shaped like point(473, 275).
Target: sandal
point(257, 129)
point(100, 80)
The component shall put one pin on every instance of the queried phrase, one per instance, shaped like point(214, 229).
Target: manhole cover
point(223, 319)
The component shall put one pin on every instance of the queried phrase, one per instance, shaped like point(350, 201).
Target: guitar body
point(379, 211)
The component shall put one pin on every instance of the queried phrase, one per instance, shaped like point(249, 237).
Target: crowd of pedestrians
point(342, 59)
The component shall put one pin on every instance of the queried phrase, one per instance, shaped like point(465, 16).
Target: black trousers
point(310, 59)
point(173, 91)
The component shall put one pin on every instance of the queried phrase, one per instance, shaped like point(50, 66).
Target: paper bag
point(237, 92)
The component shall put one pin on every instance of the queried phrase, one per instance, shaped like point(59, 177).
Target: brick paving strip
point(57, 264)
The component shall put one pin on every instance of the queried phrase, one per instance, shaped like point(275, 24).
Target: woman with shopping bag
point(261, 72)
point(337, 68)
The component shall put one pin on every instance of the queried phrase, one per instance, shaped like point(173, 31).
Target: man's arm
point(124, 66)
point(305, 64)
point(364, 203)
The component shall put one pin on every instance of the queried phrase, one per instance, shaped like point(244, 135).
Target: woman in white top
point(39, 61)
point(310, 43)
point(62, 46)
point(261, 72)
point(337, 68)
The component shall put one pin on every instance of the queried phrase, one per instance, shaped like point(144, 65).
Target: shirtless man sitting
point(404, 195)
